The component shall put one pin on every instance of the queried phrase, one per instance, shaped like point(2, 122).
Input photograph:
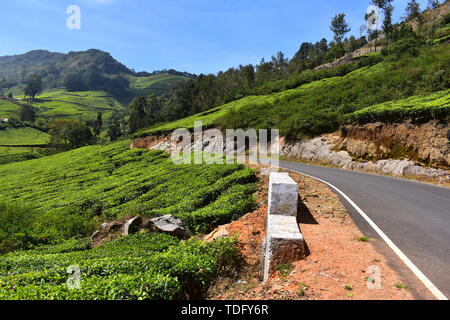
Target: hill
point(55, 104)
point(321, 106)
point(91, 70)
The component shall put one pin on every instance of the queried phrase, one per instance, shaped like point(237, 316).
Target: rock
point(96, 237)
point(364, 141)
point(170, 225)
point(108, 232)
point(132, 226)
point(219, 233)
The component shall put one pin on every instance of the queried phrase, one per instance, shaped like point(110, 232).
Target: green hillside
point(57, 104)
point(8, 109)
point(67, 195)
point(320, 106)
point(157, 84)
point(23, 137)
point(18, 154)
point(63, 104)
point(422, 108)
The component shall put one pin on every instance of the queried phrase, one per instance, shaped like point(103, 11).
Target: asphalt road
point(415, 216)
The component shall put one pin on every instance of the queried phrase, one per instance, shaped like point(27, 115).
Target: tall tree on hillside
point(137, 114)
point(433, 4)
point(98, 124)
point(34, 86)
point(2, 85)
point(248, 74)
point(386, 7)
point(412, 10)
point(70, 133)
point(339, 27)
point(388, 27)
point(27, 113)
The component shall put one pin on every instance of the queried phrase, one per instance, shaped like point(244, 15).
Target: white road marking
point(419, 274)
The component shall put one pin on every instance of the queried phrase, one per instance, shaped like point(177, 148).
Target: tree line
point(212, 90)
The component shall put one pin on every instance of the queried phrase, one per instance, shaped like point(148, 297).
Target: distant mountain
point(77, 71)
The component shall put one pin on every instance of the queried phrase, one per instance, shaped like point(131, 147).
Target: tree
point(27, 113)
point(387, 8)
point(388, 28)
point(412, 10)
point(138, 114)
point(34, 86)
point(70, 133)
point(114, 130)
point(382, 4)
point(2, 85)
point(339, 27)
point(98, 124)
point(74, 82)
point(434, 4)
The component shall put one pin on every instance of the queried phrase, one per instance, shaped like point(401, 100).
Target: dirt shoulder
point(338, 261)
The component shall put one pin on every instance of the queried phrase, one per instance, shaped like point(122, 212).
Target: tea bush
point(418, 109)
point(143, 266)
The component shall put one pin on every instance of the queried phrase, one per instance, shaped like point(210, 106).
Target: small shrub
point(285, 269)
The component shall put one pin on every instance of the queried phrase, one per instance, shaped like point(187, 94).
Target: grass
point(401, 286)
point(364, 239)
point(23, 137)
point(285, 269)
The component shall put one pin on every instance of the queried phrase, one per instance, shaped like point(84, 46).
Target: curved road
point(415, 216)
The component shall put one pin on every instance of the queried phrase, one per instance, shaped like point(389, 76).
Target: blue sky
point(198, 36)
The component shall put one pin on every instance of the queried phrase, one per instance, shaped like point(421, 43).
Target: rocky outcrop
point(131, 225)
point(220, 233)
point(397, 149)
point(324, 149)
point(425, 143)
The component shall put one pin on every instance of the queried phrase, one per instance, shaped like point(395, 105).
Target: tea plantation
point(144, 266)
point(66, 196)
point(320, 106)
point(420, 108)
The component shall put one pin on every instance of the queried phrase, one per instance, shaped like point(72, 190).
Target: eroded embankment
point(421, 151)
point(396, 149)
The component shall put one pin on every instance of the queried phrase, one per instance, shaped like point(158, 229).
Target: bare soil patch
point(336, 267)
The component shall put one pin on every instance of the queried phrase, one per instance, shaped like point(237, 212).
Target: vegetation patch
point(98, 183)
point(321, 106)
point(23, 137)
point(144, 266)
point(419, 109)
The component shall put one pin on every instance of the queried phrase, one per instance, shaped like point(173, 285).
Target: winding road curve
point(414, 216)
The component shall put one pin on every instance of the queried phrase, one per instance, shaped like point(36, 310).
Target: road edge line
point(419, 274)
